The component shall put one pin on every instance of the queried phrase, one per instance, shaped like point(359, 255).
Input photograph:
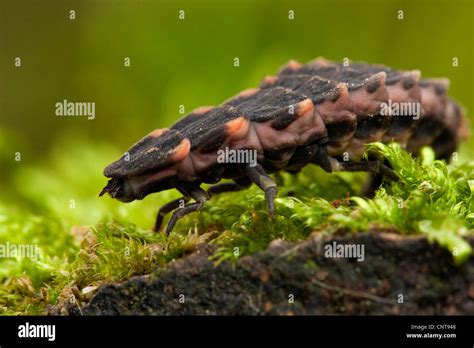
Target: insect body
point(321, 112)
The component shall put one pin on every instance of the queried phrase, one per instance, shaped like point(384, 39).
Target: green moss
point(92, 241)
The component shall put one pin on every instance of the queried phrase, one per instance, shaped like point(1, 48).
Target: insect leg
point(167, 208)
point(240, 184)
point(224, 187)
point(375, 167)
point(373, 183)
point(258, 176)
point(196, 193)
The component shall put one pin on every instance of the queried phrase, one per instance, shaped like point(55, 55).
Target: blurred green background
point(52, 190)
point(177, 62)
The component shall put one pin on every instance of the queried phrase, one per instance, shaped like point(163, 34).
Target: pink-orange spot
point(181, 151)
point(157, 132)
point(202, 110)
point(248, 92)
point(320, 61)
point(305, 106)
point(269, 80)
point(415, 74)
point(237, 127)
point(343, 90)
point(380, 76)
point(293, 65)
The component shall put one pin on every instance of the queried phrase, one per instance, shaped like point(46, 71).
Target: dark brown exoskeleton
point(320, 112)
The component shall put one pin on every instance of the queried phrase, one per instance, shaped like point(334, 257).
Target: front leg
point(195, 192)
point(258, 176)
point(213, 190)
point(167, 208)
point(224, 187)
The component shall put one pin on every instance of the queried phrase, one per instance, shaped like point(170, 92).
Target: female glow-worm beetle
point(320, 113)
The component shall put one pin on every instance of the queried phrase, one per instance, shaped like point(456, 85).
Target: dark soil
point(400, 275)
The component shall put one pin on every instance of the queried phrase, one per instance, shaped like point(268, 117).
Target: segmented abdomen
point(322, 104)
point(371, 87)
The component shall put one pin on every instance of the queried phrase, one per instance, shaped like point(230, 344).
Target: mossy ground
point(85, 241)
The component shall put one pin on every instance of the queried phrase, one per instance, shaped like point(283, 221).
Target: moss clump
point(85, 242)
point(431, 198)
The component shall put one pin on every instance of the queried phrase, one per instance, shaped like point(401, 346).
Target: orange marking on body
point(344, 101)
point(157, 132)
point(380, 76)
point(305, 106)
point(202, 110)
point(415, 74)
point(320, 61)
point(181, 151)
point(238, 127)
point(248, 92)
point(293, 65)
point(343, 90)
point(269, 80)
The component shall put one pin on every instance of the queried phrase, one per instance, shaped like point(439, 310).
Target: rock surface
point(399, 275)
